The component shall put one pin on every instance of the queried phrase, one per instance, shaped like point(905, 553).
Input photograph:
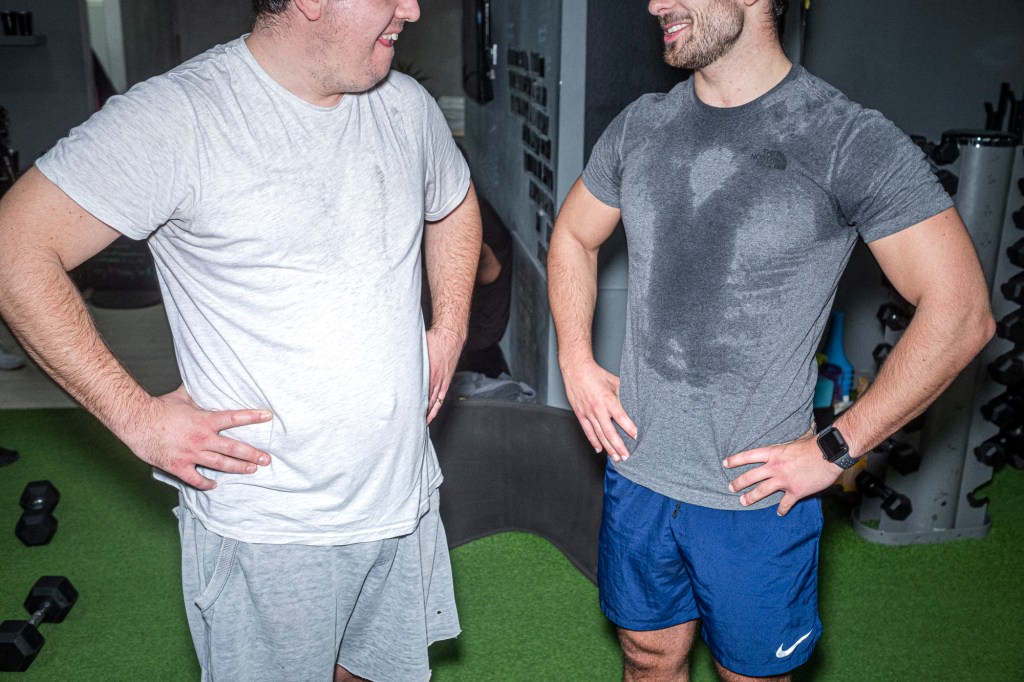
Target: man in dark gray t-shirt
point(743, 192)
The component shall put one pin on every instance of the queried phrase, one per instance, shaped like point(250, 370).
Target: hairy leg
point(657, 655)
point(729, 676)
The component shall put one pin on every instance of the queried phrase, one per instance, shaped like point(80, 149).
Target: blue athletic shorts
point(750, 576)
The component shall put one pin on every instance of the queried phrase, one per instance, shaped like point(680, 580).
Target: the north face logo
point(770, 158)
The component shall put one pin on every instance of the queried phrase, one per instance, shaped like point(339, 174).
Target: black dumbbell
point(896, 505)
point(1013, 442)
point(37, 523)
point(900, 456)
point(1018, 218)
point(1013, 288)
point(1005, 411)
point(1016, 253)
point(880, 353)
point(49, 601)
point(949, 181)
point(1011, 327)
point(915, 424)
point(1007, 369)
point(893, 316)
point(946, 152)
point(992, 452)
point(926, 145)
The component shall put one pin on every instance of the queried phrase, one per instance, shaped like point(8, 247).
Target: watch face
point(832, 444)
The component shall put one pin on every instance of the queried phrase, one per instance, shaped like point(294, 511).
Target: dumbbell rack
point(942, 490)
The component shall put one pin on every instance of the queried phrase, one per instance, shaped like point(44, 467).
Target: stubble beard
point(712, 34)
point(336, 77)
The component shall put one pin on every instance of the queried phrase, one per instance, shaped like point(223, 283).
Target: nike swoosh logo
point(783, 653)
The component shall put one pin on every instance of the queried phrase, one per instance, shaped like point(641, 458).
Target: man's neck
point(748, 70)
point(283, 61)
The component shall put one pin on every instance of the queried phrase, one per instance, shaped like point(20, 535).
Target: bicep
point(37, 217)
point(585, 219)
point(935, 256)
point(468, 211)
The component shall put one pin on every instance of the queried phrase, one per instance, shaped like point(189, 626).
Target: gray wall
point(928, 65)
point(160, 34)
point(433, 46)
point(201, 24)
point(150, 38)
point(47, 88)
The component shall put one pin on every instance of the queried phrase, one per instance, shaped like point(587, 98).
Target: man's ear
point(311, 9)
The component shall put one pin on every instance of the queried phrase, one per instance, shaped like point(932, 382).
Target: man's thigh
point(657, 655)
point(757, 584)
point(749, 576)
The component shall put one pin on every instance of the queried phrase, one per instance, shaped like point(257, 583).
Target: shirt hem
point(729, 502)
point(317, 538)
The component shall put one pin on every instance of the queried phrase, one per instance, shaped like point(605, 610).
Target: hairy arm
point(952, 324)
point(583, 224)
point(935, 267)
point(43, 234)
point(452, 249)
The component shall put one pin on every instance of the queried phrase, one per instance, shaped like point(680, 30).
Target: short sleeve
point(447, 176)
point(882, 180)
point(603, 174)
point(133, 164)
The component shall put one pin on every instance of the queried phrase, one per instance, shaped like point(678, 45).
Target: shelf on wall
point(22, 41)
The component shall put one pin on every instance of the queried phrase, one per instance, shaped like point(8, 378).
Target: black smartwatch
point(834, 449)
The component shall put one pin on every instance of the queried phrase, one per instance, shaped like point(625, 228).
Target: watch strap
point(846, 461)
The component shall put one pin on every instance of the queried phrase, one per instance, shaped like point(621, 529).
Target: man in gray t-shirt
point(743, 192)
point(282, 182)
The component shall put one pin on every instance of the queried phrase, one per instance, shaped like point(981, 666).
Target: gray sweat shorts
point(291, 612)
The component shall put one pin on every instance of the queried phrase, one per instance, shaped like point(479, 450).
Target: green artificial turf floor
point(953, 611)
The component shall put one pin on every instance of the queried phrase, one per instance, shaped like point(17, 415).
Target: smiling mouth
point(674, 30)
point(388, 39)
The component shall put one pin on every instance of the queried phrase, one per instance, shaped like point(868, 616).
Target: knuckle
point(196, 438)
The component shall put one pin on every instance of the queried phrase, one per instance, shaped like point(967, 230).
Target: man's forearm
point(933, 350)
point(572, 292)
point(47, 314)
point(452, 249)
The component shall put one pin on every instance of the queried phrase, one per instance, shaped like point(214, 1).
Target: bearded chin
point(717, 35)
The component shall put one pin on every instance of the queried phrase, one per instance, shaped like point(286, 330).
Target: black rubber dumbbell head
point(1018, 218)
point(40, 496)
point(1013, 288)
point(904, 459)
point(1007, 369)
point(893, 316)
point(55, 589)
point(1011, 327)
point(1005, 411)
point(49, 601)
point(897, 506)
point(915, 424)
point(880, 353)
point(1016, 253)
point(35, 529)
point(991, 453)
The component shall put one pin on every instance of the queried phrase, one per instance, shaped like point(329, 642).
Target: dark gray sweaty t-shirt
point(739, 223)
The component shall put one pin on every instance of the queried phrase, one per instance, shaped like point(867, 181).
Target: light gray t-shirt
point(287, 243)
point(739, 224)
